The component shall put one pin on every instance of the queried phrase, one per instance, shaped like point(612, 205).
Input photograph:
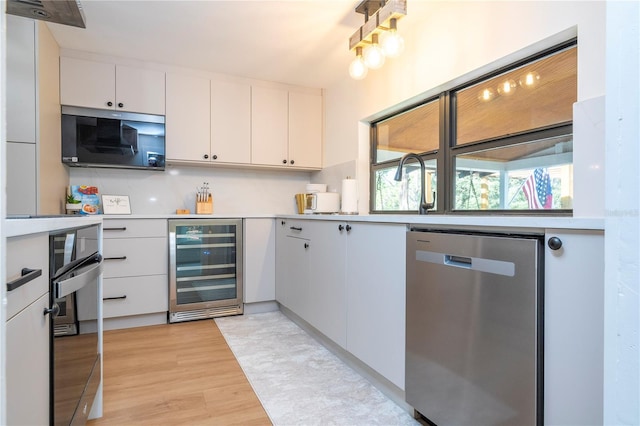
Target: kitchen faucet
point(424, 206)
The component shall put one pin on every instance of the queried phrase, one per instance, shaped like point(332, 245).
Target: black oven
point(76, 267)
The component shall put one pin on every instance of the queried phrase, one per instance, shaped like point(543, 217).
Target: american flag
point(537, 189)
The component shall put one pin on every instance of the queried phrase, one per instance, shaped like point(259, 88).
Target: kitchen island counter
point(25, 226)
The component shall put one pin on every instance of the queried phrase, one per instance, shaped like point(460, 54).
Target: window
point(417, 131)
point(502, 143)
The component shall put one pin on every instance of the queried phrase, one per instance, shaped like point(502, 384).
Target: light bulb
point(392, 43)
point(507, 88)
point(357, 68)
point(373, 54)
point(529, 80)
point(486, 95)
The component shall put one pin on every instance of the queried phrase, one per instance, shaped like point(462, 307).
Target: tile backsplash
point(235, 191)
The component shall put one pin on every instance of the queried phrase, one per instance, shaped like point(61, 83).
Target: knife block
point(205, 207)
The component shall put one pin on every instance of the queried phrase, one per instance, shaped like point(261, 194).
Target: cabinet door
point(259, 260)
point(305, 130)
point(230, 122)
point(376, 297)
point(296, 286)
point(327, 292)
point(27, 368)
point(87, 83)
point(269, 129)
point(573, 328)
point(21, 80)
point(282, 262)
point(140, 90)
point(21, 178)
point(187, 120)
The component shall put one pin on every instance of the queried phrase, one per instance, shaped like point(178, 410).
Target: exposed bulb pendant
point(357, 68)
point(393, 44)
point(373, 54)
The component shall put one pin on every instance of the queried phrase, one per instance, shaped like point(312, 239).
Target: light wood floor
point(175, 374)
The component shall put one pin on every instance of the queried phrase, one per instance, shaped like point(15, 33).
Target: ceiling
point(302, 42)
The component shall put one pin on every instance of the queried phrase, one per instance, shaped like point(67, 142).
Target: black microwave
point(112, 139)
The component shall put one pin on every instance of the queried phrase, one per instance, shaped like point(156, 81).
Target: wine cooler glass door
point(206, 264)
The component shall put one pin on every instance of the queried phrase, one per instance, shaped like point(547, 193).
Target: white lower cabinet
point(347, 280)
point(376, 297)
point(27, 332)
point(292, 266)
point(574, 328)
point(259, 260)
point(135, 272)
point(28, 365)
point(327, 296)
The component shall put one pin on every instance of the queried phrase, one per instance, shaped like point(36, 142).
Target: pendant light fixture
point(378, 37)
point(392, 44)
point(357, 69)
point(373, 54)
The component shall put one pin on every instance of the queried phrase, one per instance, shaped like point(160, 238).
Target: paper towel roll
point(349, 196)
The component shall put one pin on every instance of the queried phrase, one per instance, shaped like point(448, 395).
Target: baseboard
point(260, 307)
point(134, 321)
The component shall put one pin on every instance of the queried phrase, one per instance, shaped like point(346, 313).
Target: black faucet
point(424, 206)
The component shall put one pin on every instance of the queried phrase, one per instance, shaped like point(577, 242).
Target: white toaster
point(322, 202)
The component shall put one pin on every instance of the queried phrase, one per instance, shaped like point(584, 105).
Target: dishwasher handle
point(459, 261)
point(478, 264)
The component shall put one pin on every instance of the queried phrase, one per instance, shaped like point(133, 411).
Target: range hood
point(65, 12)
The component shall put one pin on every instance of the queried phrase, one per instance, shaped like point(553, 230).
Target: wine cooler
point(205, 268)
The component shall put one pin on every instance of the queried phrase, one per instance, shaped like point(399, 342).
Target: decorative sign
point(116, 204)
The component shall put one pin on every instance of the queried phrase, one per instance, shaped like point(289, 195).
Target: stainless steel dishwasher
point(474, 328)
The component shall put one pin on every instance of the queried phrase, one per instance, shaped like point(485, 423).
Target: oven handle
point(82, 276)
point(75, 264)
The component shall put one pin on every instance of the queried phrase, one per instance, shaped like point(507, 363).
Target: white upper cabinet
point(286, 128)
point(21, 80)
point(187, 119)
point(230, 122)
point(305, 129)
point(269, 128)
point(109, 86)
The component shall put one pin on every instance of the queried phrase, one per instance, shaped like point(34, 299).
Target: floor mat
point(299, 381)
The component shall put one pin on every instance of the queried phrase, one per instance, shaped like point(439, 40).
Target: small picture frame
point(116, 204)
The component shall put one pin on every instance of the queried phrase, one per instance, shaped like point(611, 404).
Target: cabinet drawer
point(134, 295)
point(135, 256)
point(133, 228)
point(29, 251)
point(293, 228)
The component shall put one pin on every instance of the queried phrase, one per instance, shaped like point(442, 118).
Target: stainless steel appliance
point(113, 139)
point(76, 266)
point(474, 328)
point(205, 268)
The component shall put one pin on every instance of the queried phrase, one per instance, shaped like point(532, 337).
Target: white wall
point(234, 191)
point(622, 221)
point(447, 43)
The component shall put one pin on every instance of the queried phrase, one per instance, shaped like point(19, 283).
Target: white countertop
point(15, 227)
point(489, 221)
point(25, 226)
